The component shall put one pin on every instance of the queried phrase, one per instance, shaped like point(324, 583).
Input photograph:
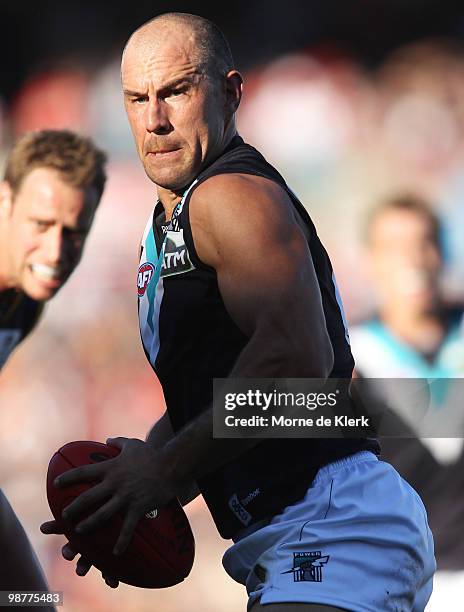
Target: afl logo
point(144, 275)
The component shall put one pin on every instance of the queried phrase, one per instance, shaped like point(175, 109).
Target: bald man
point(233, 281)
point(52, 185)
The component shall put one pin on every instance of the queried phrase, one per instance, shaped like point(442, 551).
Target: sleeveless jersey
point(18, 315)
point(189, 339)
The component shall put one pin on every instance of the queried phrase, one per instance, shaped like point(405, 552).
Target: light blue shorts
point(359, 540)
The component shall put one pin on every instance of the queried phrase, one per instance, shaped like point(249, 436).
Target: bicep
point(264, 268)
point(269, 279)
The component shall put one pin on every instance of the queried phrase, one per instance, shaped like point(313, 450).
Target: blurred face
point(405, 259)
point(176, 113)
point(45, 225)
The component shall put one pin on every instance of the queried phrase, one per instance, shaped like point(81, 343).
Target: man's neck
point(169, 199)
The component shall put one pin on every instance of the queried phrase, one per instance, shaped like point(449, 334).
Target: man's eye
point(140, 100)
point(175, 93)
point(41, 225)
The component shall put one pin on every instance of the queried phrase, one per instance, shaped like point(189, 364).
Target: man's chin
point(39, 292)
point(176, 182)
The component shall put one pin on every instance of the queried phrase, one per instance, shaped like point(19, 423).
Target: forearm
point(161, 432)
point(193, 452)
point(158, 436)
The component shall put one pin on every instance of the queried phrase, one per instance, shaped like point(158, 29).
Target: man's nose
point(54, 245)
point(157, 120)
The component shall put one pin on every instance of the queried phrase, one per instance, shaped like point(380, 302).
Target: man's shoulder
point(18, 316)
point(239, 198)
point(230, 185)
point(13, 301)
point(239, 157)
point(367, 326)
point(371, 346)
point(33, 312)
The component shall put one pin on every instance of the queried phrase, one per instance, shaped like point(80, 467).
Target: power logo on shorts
point(146, 271)
point(307, 566)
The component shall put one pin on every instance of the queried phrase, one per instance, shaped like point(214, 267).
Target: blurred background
point(351, 101)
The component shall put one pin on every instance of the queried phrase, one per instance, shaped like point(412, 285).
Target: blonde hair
point(79, 162)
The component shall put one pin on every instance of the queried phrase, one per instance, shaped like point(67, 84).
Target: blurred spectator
point(305, 111)
point(421, 111)
point(416, 334)
point(55, 100)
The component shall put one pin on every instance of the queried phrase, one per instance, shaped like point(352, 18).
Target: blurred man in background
point(235, 282)
point(416, 334)
point(52, 185)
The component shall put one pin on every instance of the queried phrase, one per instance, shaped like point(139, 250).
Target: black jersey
point(18, 315)
point(189, 339)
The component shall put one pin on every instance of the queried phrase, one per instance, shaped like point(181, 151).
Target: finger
point(85, 501)
point(127, 531)
point(119, 442)
point(68, 552)
point(101, 516)
point(85, 473)
point(82, 566)
point(51, 527)
point(111, 582)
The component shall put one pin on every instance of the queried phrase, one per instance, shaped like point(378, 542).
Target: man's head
point(405, 256)
point(180, 94)
point(52, 186)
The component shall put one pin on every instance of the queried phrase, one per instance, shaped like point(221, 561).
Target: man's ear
point(234, 87)
point(6, 199)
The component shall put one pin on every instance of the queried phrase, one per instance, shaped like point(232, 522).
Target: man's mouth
point(47, 273)
point(161, 152)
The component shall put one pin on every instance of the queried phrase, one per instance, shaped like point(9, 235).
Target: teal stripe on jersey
point(152, 257)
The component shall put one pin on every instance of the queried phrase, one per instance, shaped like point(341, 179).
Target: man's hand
point(82, 565)
point(137, 481)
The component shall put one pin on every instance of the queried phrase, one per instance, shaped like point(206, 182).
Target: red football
point(162, 549)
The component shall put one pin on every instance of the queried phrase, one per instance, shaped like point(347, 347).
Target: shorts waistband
point(324, 473)
point(327, 470)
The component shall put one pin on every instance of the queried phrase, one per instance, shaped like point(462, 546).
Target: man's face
point(46, 225)
point(176, 113)
point(405, 259)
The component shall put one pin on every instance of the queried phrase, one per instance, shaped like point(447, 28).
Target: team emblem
point(307, 566)
point(144, 275)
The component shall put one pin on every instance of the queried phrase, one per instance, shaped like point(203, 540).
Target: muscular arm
point(159, 435)
point(265, 274)
point(245, 228)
